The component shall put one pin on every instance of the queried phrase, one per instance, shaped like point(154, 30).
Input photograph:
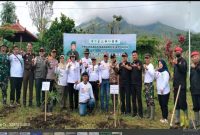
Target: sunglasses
point(146, 57)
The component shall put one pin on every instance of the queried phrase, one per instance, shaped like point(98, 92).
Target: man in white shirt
point(86, 97)
point(85, 61)
point(94, 78)
point(73, 73)
point(149, 74)
point(16, 76)
point(105, 85)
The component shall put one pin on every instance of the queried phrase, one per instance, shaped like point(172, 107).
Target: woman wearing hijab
point(162, 76)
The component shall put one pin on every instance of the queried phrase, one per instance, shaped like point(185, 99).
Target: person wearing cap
point(4, 72)
point(136, 85)
point(94, 78)
point(104, 82)
point(195, 85)
point(149, 74)
point(73, 50)
point(85, 61)
point(40, 65)
point(114, 77)
point(16, 76)
point(52, 63)
point(28, 78)
point(86, 96)
point(179, 78)
point(124, 84)
point(73, 71)
point(62, 81)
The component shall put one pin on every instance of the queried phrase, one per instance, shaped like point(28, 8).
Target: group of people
point(87, 82)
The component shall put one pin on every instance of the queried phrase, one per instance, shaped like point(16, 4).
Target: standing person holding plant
point(162, 77)
point(73, 71)
point(149, 88)
point(62, 81)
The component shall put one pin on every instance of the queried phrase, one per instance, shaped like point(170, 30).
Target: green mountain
point(158, 29)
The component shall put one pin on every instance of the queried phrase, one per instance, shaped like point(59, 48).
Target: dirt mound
point(55, 121)
point(120, 124)
point(7, 110)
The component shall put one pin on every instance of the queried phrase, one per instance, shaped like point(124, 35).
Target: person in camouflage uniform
point(4, 72)
point(114, 67)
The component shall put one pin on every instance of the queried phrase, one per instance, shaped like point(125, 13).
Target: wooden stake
point(179, 88)
point(45, 112)
point(114, 111)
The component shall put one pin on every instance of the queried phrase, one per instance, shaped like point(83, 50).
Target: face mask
point(178, 55)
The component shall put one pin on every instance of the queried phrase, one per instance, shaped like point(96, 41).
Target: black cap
point(93, 58)
point(85, 73)
point(54, 50)
point(86, 51)
point(42, 49)
point(112, 56)
point(124, 54)
point(72, 54)
point(147, 55)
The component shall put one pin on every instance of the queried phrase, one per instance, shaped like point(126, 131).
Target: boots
point(148, 112)
point(196, 119)
point(177, 117)
point(152, 114)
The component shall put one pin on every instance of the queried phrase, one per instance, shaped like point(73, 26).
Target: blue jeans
point(84, 106)
point(105, 90)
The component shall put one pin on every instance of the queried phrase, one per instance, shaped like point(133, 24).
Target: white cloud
point(139, 12)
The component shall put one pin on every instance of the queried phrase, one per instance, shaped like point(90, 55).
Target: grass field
point(22, 115)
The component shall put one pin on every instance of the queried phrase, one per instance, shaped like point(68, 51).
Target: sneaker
point(165, 121)
point(162, 120)
point(12, 105)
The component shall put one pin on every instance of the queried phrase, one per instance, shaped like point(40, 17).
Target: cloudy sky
point(175, 14)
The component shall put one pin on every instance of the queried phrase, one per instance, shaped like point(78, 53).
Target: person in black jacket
point(179, 78)
point(195, 85)
point(136, 85)
point(124, 84)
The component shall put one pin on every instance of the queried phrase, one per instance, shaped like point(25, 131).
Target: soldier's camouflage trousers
point(3, 86)
point(149, 94)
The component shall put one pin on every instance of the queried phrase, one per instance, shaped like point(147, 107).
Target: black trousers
point(196, 103)
point(182, 103)
point(136, 91)
point(73, 96)
point(125, 96)
point(95, 90)
point(15, 88)
point(163, 101)
point(38, 86)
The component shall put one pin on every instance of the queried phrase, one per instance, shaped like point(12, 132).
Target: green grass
point(89, 122)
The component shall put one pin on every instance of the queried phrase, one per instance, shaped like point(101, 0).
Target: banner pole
point(45, 115)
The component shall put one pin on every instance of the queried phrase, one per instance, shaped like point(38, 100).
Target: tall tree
point(40, 13)
point(53, 37)
point(8, 14)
